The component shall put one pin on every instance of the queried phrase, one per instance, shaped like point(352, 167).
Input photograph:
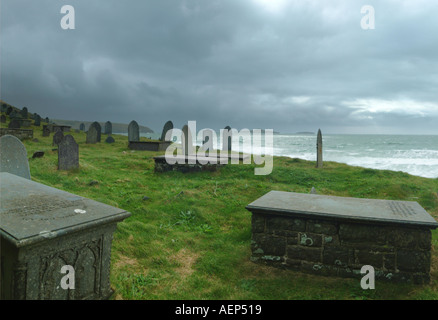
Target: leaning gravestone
point(13, 157)
point(82, 127)
point(14, 124)
point(167, 126)
point(57, 138)
point(133, 131)
point(108, 127)
point(91, 135)
point(110, 139)
point(3, 118)
point(98, 128)
point(68, 154)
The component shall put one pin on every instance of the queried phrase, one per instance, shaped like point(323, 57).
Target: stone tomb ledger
point(43, 229)
point(336, 236)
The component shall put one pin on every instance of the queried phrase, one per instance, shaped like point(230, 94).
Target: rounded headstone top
point(13, 157)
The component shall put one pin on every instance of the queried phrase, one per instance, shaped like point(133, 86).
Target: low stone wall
point(339, 247)
point(19, 133)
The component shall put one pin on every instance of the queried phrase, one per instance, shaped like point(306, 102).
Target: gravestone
point(14, 115)
point(3, 118)
point(319, 150)
point(187, 141)
point(226, 139)
point(98, 128)
point(110, 139)
point(46, 120)
point(133, 131)
point(57, 138)
point(24, 113)
point(14, 124)
point(68, 154)
point(37, 122)
point(82, 127)
point(44, 229)
point(9, 110)
point(4, 107)
point(46, 131)
point(167, 126)
point(91, 135)
point(337, 236)
point(13, 157)
point(108, 127)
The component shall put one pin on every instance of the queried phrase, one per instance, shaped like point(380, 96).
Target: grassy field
point(189, 234)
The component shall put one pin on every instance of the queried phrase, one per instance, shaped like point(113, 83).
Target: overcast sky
point(287, 65)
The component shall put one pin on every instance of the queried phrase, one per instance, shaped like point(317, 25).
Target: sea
point(413, 154)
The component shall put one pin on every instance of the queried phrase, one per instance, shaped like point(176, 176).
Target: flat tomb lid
point(312, 205)
point(31, 211)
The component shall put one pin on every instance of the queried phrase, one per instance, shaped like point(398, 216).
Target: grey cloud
point(222, 63)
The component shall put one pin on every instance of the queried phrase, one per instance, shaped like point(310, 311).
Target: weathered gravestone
point(109, 139)
point(57, 138)
point(13, 157)
point(337, 236)
point(108, 127)
point(14, 115)
point(14, 124)
point(98, 128)
point(68, 154)
point(82, 127)
point(226, 139)
point(3, 118)
point(167, 126)
point(9, 110)
point(46, 120)
point(46, 131)
point(24, 113)
point(187, 141)
point(91, 135)
point(48, 234)
point(319, 150)
point(37, 122)
point(133, 131)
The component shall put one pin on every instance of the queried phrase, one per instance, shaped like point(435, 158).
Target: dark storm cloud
point(286, 65)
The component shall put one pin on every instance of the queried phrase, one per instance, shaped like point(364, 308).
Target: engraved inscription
point(401, 209)
point(37, 207)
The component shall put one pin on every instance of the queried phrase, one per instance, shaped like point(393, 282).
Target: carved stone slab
point(31, 212)
point(354, 209)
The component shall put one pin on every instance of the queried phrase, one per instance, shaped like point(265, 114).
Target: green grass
point(191, 238)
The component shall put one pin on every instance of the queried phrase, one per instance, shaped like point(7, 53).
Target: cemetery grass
point(189, 234)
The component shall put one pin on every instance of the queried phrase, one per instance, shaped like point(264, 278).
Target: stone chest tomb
point(43, 229)
point(336, 236)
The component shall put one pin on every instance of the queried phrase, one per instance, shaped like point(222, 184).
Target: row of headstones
point(134, 131)
point(13, 155)
point(20, 115)
point(94, 133)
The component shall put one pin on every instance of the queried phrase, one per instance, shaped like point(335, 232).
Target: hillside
point(117, 127)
